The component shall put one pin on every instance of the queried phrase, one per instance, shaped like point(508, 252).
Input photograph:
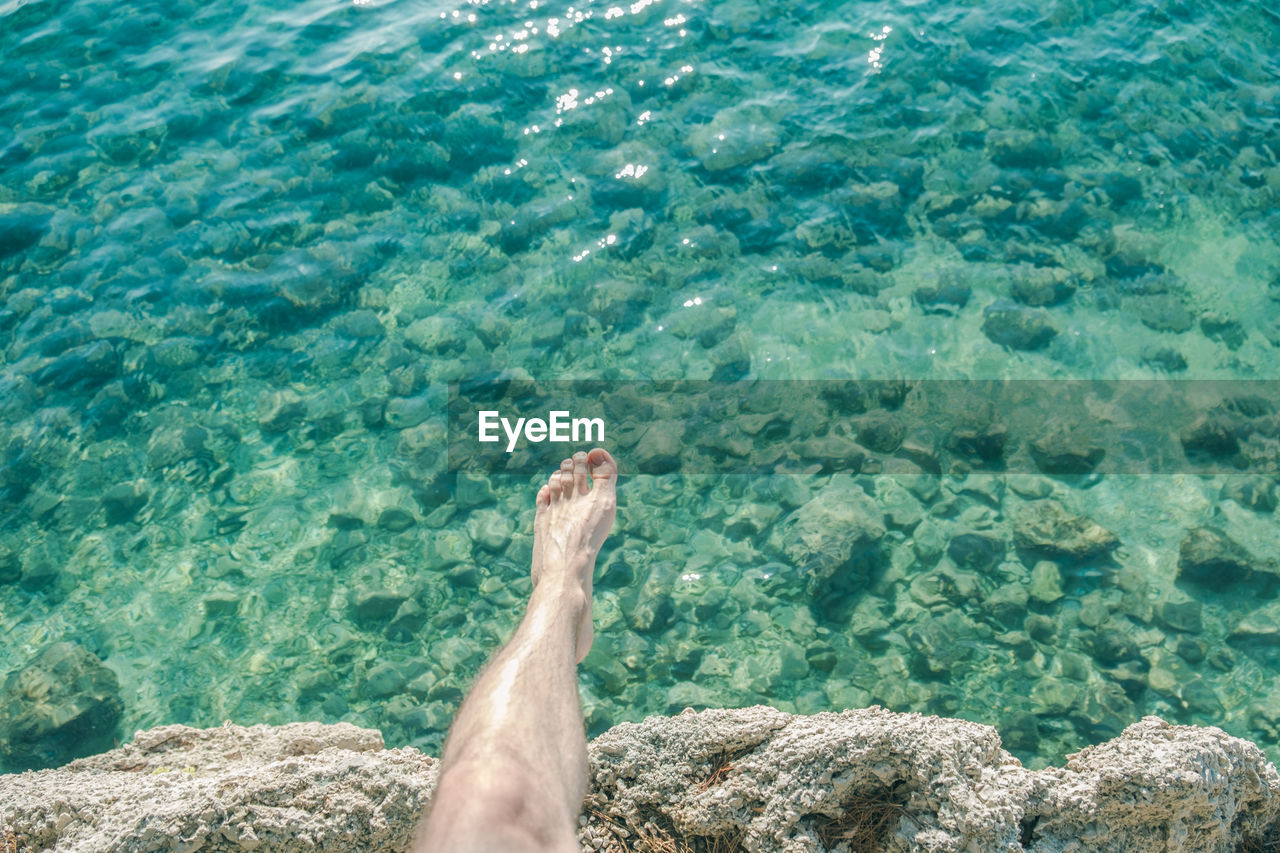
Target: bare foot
point(573, 517)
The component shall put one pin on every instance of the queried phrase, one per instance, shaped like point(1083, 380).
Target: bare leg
point(514, 766)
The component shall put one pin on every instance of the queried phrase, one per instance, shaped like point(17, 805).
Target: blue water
point(243, 247)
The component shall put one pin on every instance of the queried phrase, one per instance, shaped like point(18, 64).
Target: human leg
point(513, 771)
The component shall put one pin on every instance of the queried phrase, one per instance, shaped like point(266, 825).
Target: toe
point(604, 471)
point(543, 500)
point(580, 484)
point(553, 487)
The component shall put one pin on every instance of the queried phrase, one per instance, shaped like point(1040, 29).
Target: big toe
point(604, 471)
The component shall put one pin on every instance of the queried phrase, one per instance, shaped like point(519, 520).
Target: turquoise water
point(243, 248)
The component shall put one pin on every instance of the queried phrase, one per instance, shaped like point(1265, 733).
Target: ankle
point(564, 593)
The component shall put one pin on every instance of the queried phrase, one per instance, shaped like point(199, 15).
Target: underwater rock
point(408, 620)
point(873, 211)
point(730, 355)
point(1052, 696)
point(821, 657)
point(60, 340)
point(424, 160)
point(928, 542)
point(1022, 149)
point(437, 334)
point(448, 547)
point(491, 529)
point(901, 509)
point(805, 168)
point(708, 324)
point(221, 606)
point(987, 488)
point(22, 226)
point(1211, 434)
point(408, 412)
point(1040, 627)
point(535, 219)
point(123, 500)
point(475, 138)
point(627, 177)
point(1199, 697)
point(1192, 649)
point(1223, 329)
point(1017, 327)
point(1046, 582)
point(975, 551)
point(361, 324)
point(837, 528)
point(473, 489)
point(280, 410)
point(619, 304)
point(881, 431)
point(633, 231)
point(1164, 312)
point(1065, 453)
point(1211, 558)
point(1163, 358)
point(1007, 606)
point(1105, 709)
point(978, 434)
point(396, 519)
point(752, 519)
point(1110, 645)
point(946, 296)
point(389, 678)
point(63, 704)
point(10, 565)
point(819, 270)
point(1049, 528)
point(942, 644)
point(1020, 730)
point(173, 443)
point(44, 569)
point(1256, 492)
point(735, 137)
point(1041, 286)
point(660, 449)
point(921, 448)
point(80, 368)
point(1261, 626)
point(373, 606)
point(1031, 487)
point(1180, 615)
point(1121, 188)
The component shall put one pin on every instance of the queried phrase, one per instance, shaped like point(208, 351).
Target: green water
point(243, 249)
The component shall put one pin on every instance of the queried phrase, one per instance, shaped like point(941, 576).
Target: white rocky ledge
point(754, 779)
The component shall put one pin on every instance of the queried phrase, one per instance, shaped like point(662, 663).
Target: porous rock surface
point(771, 781)
point(303, 786)
point(948, 784)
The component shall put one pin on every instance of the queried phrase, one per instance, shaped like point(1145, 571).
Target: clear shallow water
point(241, 249)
